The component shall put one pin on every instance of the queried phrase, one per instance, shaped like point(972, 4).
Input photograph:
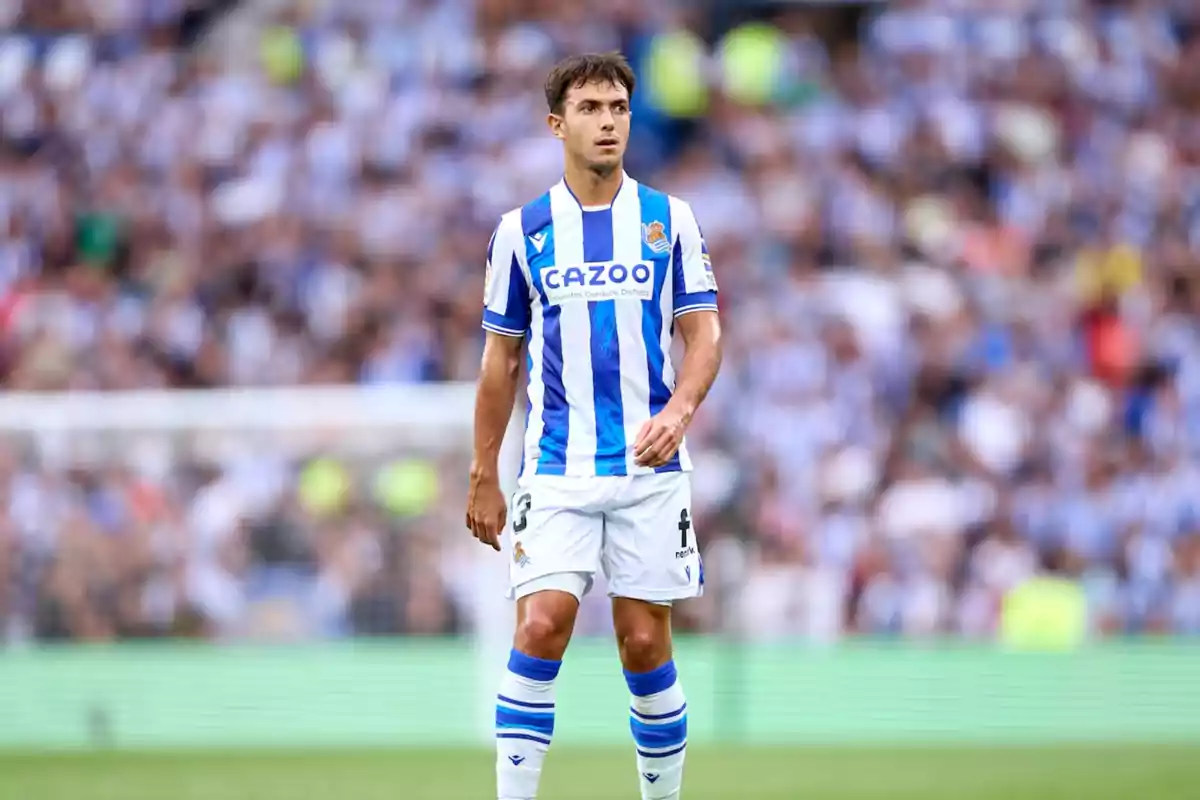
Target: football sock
point(658, 719)
point(524, 724)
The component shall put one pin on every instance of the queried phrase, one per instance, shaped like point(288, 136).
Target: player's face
point(594, 125)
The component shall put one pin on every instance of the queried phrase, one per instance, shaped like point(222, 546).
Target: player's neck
point(592, 188)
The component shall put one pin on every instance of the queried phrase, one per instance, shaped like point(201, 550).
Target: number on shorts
point(685, 525)
point(520, 509)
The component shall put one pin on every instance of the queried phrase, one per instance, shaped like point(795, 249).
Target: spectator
point(955, 243)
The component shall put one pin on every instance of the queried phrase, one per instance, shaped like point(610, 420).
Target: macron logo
point(538, 240)
point(516, 760)
point(650, 777)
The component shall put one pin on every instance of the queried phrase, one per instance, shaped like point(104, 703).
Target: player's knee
point(644, 648)
point(544, 629)
point(543, 636)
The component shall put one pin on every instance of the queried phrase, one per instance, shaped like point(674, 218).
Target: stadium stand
point(957, 244)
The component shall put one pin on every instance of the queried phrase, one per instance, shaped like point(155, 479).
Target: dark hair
point(577, 71)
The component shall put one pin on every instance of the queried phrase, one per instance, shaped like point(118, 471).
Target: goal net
point(289, 515)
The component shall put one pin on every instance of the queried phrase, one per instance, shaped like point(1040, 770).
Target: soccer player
point(596, 275)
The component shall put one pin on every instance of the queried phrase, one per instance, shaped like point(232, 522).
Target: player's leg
point(555, 545)
point(525, 702)
point(651, 559)
point(658, 708)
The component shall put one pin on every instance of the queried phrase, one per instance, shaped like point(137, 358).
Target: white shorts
point(637, 528)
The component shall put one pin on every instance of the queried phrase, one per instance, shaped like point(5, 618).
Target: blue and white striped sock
point(658, 719)
point(524, 725)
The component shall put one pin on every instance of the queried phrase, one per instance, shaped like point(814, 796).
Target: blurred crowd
point(957, 244)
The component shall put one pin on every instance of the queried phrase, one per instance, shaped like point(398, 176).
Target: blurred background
point(241, 260)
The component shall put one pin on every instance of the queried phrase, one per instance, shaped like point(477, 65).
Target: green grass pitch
point(714, 773)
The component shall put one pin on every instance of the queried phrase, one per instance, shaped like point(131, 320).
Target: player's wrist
point(684, 408)
point(484, 470)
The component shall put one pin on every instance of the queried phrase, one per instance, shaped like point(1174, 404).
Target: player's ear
point(556, 126)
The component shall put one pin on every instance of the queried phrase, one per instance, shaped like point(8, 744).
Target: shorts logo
point(653, 234)
point(519, 557)
point(685, 550)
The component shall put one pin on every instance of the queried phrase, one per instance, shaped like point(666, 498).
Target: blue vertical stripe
point(517, 305)
point(678, 278)
point(537, 219)
point(606, 352)
point(528, 415)
point(656, 207)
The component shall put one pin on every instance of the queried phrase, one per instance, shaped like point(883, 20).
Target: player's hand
point(486, 510)
point(659, 439)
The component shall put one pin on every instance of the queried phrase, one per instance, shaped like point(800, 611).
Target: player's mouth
point(608, 141)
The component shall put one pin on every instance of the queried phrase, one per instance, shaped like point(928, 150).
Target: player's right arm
point(506, 317)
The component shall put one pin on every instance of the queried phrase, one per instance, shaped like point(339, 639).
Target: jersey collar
point(625, 181)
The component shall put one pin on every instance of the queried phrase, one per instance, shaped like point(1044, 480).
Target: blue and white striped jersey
point(596, 290)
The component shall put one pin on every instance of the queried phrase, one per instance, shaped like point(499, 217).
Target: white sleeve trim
point(487, 326)
point(679, 312)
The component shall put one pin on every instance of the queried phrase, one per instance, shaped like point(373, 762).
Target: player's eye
point(620, 108)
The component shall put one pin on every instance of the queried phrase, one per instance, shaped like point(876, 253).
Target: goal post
point(154, 432)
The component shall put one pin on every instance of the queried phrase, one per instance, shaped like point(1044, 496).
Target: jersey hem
point(560, 470)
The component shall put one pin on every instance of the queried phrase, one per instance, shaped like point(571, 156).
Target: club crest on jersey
point(519, 556)
point(655, 237)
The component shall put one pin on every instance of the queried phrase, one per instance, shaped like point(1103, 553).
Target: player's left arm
point(701, 332)
point(696, 317)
